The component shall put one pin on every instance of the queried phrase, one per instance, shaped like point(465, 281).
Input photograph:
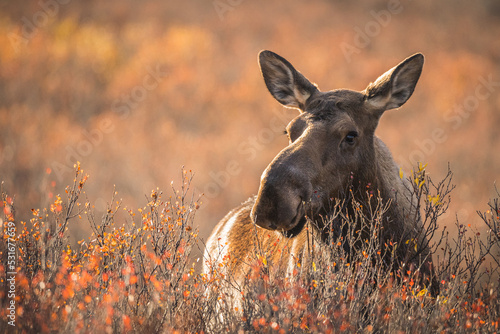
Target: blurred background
point(135, 90)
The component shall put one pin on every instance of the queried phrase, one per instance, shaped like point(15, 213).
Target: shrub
point(139, 275)
point(133, 277)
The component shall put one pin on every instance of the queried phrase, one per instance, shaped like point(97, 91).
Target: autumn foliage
point(136, 274)
point(148, 87)
point(136, 89)
point(129, 277)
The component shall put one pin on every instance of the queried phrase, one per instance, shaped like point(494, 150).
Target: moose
point(332, 148)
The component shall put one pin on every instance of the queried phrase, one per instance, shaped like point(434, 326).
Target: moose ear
point(284, 82)
point(393, 88)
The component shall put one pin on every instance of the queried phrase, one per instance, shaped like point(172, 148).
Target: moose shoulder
point(333, 153)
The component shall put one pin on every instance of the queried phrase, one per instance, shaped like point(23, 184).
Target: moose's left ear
point(393, 88)
point(284, 82)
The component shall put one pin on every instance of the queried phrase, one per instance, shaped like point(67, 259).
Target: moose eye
point(351, 137)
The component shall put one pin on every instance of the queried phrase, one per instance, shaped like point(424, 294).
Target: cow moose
point(332, 148)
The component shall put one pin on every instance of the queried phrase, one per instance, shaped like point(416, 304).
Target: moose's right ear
point(393, 88)
point(284, 82)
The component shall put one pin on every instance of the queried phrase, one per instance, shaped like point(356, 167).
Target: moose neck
point(366, 180)
point(364, 185)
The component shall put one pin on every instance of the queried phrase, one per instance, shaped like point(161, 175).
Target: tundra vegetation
point(77, 85)
point(136, 274)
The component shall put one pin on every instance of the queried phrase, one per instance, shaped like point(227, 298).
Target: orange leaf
point(126, 323)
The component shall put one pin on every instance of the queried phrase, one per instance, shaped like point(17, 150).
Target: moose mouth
point(300, 214)
point(294, 231)
point(298, 222)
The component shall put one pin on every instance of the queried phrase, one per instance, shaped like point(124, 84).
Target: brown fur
point(332, 147)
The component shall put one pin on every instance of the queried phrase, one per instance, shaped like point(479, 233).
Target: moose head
point(331, 142)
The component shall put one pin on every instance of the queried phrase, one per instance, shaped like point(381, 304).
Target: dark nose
point(283, 189)
point(277, 210)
